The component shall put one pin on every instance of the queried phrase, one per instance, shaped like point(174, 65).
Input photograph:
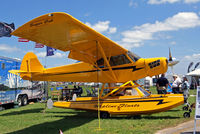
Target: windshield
point(133, 56)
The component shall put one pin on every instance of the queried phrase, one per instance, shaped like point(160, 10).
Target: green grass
point(30, 119)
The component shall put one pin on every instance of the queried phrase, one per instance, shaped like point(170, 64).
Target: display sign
point(197, 112)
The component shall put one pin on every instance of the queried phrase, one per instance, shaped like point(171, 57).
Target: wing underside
point(63, 32)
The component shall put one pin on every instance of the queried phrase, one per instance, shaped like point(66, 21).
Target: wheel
point(24, 100)
point(186, 115)
point(104, 115)
point(185, 108)
point(137, 117)
point(19, 100)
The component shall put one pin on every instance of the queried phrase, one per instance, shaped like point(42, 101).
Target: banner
point(197, 109)
point(38, 45)
point(22, 40)
point(6, 29)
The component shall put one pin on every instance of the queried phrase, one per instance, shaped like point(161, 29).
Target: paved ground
point(184, 128)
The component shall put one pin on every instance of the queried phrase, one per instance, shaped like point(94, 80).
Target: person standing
point(162, 84)
point(176, 84)
point(185, 88)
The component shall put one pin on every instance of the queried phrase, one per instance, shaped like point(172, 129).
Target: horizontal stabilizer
point(29, 66)
point(16, 72)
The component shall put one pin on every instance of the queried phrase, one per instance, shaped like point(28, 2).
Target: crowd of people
point(178, 86)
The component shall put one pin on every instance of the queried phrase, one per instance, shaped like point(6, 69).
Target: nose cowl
point(156, 66)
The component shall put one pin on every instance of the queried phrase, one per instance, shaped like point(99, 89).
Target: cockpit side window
point(119, 60)
point(115, 60)
point(133, 56)
point(100, 62)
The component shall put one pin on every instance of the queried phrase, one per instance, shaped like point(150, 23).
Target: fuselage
point(120, 69)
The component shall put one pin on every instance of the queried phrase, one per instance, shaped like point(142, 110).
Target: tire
point(185, 108)
point(186, 115)
point(19, 100)
point(104, 115)
point(24, 100)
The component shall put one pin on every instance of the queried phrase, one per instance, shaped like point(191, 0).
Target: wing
point(63, 32)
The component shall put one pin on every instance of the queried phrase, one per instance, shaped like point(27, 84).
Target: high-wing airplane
point(102, 60)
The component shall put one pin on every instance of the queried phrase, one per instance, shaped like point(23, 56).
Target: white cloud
point(130, 3)
point(147, 31)
point(59, 55)
point(191, 1)
point(162, 1)
point(7, 48)
point(181, 67)
point(112, 30)
point(133, 4)
point(130, 45)
point(87, 14)
point(56, 55)
point(192, 57)
point(41, 54)
point(173, 43)
point(172, 1)
point(102, 26)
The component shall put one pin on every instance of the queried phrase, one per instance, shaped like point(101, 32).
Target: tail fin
point(30, 64)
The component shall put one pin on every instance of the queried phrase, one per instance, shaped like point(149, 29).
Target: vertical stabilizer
point(30, 63)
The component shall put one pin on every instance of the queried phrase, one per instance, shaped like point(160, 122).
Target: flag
point(38, 45)
point(22, 40)
point(196, 65)
point(190, 65)
point(50, 51)
point(61, 132)
point(6, 29)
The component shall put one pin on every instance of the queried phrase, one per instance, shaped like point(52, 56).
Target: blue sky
point(146, 27)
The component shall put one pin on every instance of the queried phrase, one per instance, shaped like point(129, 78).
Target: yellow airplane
point(102, 60)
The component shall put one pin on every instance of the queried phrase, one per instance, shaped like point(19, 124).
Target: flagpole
point(49, 52)
point(99, 119)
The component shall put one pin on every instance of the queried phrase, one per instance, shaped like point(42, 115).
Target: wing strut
point(106, 60)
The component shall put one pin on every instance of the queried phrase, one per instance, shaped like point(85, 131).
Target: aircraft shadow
point(173, 110)
point(64, 124)
point(197, 132)
point(160, 117)
point(145, 117)
point(37, 110)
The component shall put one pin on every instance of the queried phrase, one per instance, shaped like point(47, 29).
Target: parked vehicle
point(13, 88)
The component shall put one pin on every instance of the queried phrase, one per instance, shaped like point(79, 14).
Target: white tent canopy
point(194, 73)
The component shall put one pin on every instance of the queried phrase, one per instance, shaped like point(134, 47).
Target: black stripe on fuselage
point(160, 101)
point(106, 69)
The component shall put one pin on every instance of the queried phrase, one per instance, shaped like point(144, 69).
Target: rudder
point(30, 63)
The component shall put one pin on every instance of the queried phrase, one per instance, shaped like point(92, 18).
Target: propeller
point(172, 61)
